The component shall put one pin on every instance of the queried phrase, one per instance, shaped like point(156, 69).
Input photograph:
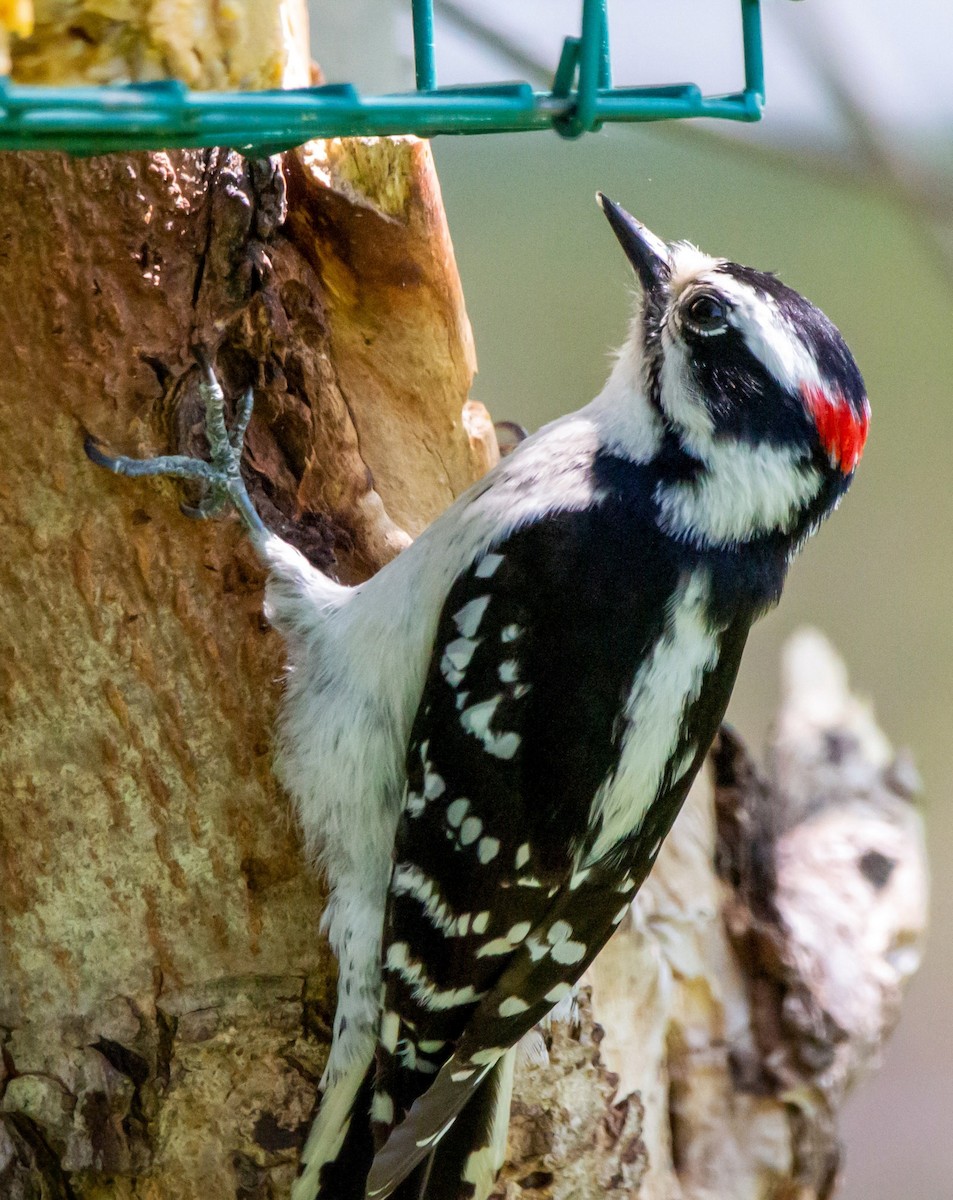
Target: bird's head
point(746, 380)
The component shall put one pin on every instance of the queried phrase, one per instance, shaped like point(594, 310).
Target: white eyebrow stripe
point(769, 337)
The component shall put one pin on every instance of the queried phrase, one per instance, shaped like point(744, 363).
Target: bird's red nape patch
point(841, 430)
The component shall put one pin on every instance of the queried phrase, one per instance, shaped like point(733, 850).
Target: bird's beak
point(647, 253)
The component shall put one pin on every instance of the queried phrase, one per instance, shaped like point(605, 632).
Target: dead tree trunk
point(165, 998)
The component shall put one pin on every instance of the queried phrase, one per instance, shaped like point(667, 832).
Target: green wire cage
point(166, 114)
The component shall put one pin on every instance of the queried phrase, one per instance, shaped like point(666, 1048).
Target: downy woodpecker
point(488, 741)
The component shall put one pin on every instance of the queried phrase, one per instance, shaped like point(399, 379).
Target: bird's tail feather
point(340, 1147)
point(467, 1159)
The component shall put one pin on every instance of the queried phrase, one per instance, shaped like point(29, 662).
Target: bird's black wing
point(518, 725)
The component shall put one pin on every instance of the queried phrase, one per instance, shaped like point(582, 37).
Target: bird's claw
point(209, 506)
point(220, 478)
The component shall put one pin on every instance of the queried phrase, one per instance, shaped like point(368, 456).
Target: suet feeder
point(166, 114)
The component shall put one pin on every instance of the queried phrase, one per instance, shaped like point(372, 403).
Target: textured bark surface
point(164, 993)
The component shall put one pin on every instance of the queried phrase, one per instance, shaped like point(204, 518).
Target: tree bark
point(165, 996)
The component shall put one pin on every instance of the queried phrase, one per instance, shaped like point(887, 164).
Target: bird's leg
point(221, 478)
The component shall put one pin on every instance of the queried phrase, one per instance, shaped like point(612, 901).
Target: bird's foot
point(221, 477)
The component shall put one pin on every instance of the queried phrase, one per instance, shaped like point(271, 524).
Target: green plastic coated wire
point(163, 115)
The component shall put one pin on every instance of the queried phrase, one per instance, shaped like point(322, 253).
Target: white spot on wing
point(470, 830)
point(512, 1006)
point(495, 947)
point(390, 1031)
point(488, 566)
point(522, 856)
point(487, 1058)
point(536, 949)
point(562, 948)
point(508, 671)
point(468, 619)
point(456, 811)
point(476, 720)
point(461, 651)
point(481, 922)
point(488, 849)
point(510, 633)
point(452, 675)
point(568, 953)
point(559, 931)
point(506, 944)
point(504, 745)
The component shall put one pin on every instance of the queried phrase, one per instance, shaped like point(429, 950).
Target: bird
point(488, 741)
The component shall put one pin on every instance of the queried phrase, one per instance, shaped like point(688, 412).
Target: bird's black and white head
point(743, 391)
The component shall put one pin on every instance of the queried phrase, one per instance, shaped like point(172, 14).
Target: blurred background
point(845, 189)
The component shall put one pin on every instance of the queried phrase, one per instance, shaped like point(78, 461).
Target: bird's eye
point(707, 313)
